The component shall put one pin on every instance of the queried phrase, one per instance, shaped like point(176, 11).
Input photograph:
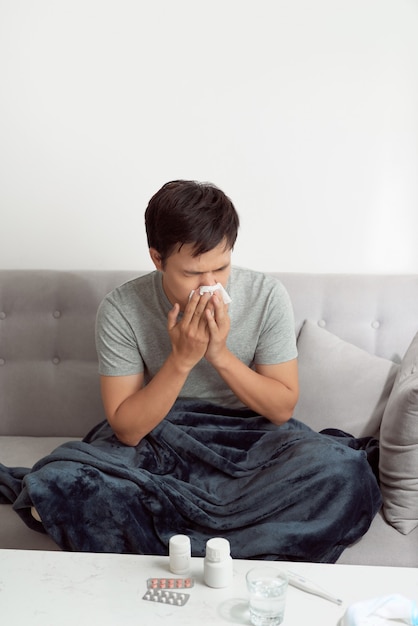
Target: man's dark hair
point(190, 212)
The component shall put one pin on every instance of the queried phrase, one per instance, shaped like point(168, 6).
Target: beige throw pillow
point(341, 385)
point(399, 447)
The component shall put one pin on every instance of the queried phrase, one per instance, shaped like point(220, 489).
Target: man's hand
point(218, 323)
point(189, 336)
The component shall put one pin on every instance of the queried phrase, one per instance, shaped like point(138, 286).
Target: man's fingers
point(172, 316)
point(196, 307)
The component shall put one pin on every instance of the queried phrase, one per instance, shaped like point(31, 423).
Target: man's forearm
point(147, 407)
point(264, 395)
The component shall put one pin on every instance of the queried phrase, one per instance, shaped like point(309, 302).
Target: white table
point(83, 589)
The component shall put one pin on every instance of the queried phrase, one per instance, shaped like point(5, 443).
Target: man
point(199, 393)
point(146, 367)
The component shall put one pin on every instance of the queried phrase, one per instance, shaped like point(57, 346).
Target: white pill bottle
point(217, 564)
point(179, 554)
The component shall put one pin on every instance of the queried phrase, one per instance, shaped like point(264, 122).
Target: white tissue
point(382, 611)
point(211, 289)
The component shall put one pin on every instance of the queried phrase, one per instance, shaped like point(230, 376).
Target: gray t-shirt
point(132, 336)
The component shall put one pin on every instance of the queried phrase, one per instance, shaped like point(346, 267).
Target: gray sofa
point(353, 332)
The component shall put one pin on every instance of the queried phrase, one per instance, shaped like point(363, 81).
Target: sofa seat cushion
point(399, 446)
point(382, 545)
point(25, 451)
point(15, 535)
point(341, 385)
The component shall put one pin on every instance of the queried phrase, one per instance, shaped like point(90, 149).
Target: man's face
point(183, 273)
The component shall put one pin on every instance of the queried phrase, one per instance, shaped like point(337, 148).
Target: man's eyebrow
point(219, 269)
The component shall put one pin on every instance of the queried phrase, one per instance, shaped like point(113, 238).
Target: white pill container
point(179, 550)
point(217, 564)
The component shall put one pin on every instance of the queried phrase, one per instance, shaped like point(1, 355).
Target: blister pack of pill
point(170, 583)
point(166, 596)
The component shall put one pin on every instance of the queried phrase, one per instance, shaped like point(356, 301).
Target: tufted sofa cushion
point(49, 385)
point(378, 313)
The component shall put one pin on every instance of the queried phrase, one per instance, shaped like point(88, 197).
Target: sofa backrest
point(378, 313)
point(49, 385)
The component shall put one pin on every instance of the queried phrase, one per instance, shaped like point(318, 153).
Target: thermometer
point(296, 580)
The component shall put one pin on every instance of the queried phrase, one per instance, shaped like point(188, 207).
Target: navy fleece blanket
point(275, 492)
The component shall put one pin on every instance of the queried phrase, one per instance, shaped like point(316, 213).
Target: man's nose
point(207, 279)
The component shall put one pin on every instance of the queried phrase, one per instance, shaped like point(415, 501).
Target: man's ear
point(156, 259)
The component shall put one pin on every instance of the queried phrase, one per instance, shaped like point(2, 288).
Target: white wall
point(305, 112)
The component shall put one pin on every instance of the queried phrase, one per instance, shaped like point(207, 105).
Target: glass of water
point(267, 586)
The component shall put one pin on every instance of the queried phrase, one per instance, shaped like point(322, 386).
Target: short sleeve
point(277, 340)
point(116, 345)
